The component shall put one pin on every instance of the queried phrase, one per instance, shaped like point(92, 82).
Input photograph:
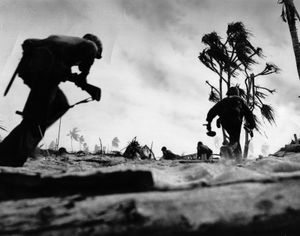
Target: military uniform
point(231, 111)
point(46, 63)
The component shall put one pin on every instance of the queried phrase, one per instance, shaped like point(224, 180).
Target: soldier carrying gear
point(231, 111)
point(46, 63)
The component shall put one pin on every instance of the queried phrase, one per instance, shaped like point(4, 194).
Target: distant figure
point(168, 155)
point(203, 152)
point(231, 111)
point(46, 63)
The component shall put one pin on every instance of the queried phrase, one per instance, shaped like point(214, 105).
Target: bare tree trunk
point(101, 147)
point(291, 18)
point(246, 147)
point(58, 136)
point(250, 88)
point(71, 144)
point(221, 97)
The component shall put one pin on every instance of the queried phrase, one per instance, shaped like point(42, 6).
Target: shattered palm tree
point(135, 151)
point(234, 59)
point(254, 96)
point(290, 14)
point(73, 135)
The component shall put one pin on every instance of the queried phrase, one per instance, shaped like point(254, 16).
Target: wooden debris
point(258, 208)
point(14, 185)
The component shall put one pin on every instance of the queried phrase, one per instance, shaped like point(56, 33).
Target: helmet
point(97, 41)
point(163, 148)
point(233, 91)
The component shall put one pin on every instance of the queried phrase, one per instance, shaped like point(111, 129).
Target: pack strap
point(82, 101)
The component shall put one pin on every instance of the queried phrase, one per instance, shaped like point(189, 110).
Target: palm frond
point(259, 52)
point(267, 113)
point(283, 10)
point(272, 68)
point(74, 134)
point(260, 94)
point(238, 39)
point(214, 96)
point(206, 59)
point(212, 39)
point(257, 123)
point(237, 29)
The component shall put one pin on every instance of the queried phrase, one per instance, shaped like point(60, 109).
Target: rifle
point(12, 78)
point(94, 91)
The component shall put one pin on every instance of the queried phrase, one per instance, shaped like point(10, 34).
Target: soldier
point(44, 64)
point(203, 152)
point(231, 111)
point(168, 155)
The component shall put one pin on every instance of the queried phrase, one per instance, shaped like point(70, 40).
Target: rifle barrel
point(11, 80)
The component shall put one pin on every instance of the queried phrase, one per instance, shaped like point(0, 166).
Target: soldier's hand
point(208, 126)
point(78, 80)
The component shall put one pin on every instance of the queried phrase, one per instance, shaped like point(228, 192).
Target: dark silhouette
point(234, 57)
point(135, 151)
point(203, 152)
point(46, 63)
point(290, 14)
point(168, 155)
point(231, 111)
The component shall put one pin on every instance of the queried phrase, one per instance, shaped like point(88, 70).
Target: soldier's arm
point(88, 54)
point(213, 112)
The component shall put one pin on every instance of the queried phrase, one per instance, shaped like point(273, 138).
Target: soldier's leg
point(235, 144)
point(14, 149)
point(22, 141)
point(57, 108)
point(233, 129)
point(53, 105)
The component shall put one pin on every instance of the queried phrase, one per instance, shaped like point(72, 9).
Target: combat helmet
point(233, 91)
point(97, 41)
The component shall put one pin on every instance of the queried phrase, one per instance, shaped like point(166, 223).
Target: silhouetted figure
point(46, 63)
point(203, 152)
point(168, 155)
point(231, 111)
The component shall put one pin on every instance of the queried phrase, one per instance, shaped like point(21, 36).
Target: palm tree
point(115, 142)
point(234, 57)
point(101, 146)
point(85, 147)
point(254, 96)
point(228, 58)
point(290, 14)
point(58, 135)
point(73, 135)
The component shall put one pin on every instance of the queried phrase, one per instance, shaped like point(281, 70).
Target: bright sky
point(153, 85)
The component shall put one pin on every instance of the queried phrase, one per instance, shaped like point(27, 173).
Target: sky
point(153, 85)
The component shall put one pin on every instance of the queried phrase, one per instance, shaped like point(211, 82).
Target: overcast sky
point(153, 85)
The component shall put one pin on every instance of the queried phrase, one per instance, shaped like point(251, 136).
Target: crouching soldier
point(46, 63)
point(204, 153)
point(169, 155)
